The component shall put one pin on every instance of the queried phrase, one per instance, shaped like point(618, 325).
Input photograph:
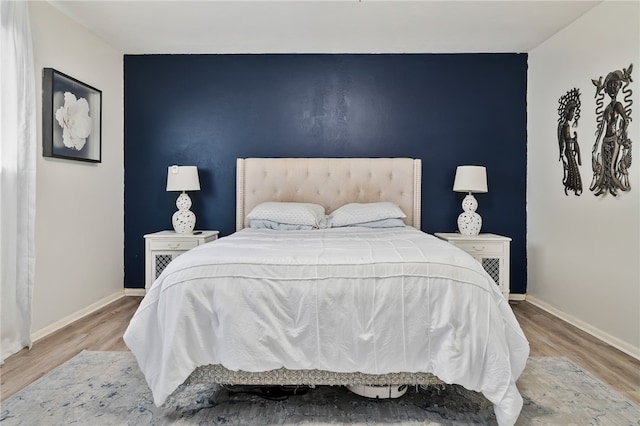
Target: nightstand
point(162, 247)
point(492, 251)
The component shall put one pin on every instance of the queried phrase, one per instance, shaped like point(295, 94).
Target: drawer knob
point(478, 248)
point(174, 246)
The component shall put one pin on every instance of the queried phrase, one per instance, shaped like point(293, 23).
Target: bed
point(342, 305)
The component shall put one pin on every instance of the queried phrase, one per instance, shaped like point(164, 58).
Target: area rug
point(107, 388)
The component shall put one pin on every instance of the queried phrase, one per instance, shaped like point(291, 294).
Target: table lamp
point(470, 179)
point(183, 178)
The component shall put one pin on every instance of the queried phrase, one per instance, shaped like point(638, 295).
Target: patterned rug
point(107, 388)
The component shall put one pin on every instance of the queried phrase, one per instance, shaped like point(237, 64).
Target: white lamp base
point(469, 222)
point(184, 220)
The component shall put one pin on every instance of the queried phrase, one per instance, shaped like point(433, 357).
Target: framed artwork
point(611, 153)
point(71, 118)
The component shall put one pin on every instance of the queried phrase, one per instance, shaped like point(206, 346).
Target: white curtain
point(17, 177)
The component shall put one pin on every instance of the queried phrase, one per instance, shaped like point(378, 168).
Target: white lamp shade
point(183, 178)
point(470, 179)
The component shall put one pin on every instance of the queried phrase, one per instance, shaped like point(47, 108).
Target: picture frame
point(71, 118)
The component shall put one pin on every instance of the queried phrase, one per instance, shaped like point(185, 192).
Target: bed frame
point(330, 182)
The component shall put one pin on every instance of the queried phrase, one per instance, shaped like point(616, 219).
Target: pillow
point(291, 213)
point(353, 213)
point(269, 224)
point(382, 223)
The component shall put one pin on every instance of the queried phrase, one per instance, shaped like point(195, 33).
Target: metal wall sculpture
point(569, 112)
point(611, 154)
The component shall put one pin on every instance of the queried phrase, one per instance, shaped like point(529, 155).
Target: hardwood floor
point(102, 331)
point(550, 336)
point(99, 331)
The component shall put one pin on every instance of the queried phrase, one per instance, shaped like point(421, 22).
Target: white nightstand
point(164, 246)
point(491, 250)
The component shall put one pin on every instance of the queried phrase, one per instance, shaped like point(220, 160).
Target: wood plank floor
point(99, 331)
point(102, 331)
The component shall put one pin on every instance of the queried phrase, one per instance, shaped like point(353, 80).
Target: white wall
point(79, 206)
point(584, 252)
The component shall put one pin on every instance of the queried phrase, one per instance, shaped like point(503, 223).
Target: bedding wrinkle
point(404, 322)
point(403, 318)
point(317, 317)
point(315, 295)
point(281, 323)
point(371, 334)
point(373, 328)
point(358, 329)
point(487, 327)
point(186, 328)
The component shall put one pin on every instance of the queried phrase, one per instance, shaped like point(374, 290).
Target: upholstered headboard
point(330, 182)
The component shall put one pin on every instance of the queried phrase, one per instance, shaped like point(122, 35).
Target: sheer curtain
point(17, 176)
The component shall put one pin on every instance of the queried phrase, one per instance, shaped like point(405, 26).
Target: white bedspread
point(346, 300)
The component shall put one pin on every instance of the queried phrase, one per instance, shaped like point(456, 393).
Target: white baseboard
point(595, 332)
point(517, 296)
point(37, 335)
point(135, 291)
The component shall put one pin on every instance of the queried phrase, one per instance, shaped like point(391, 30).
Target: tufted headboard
point(330, 182)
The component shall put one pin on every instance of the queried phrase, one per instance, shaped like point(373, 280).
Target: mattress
point(372, 301)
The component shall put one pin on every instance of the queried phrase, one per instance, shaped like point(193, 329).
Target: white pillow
point(353, 213)
point(291, 213)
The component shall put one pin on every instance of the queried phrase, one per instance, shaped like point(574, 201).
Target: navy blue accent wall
point(208, 110)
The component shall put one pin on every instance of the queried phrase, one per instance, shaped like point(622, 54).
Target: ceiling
point(367, 26)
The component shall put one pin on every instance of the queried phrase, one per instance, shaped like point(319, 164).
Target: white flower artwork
point(75, 121)
point(71, 118)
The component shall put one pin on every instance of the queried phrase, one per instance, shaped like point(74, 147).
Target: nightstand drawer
point(173, 244)
point(491, 250)
point(480, 247)
point(164, 246)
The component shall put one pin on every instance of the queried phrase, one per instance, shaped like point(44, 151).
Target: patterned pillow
point(393, 222)
point(291, 213)
point(353, 213)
